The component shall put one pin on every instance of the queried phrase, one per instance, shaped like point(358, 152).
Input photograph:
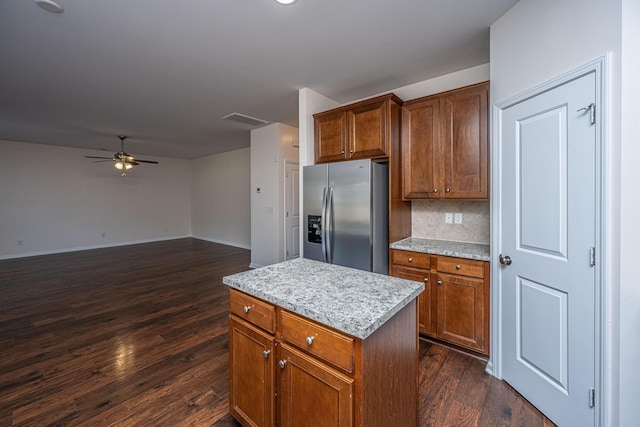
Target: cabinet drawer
point(461, 266)
point(328, 345)
point(411, 259)
point(258, 312)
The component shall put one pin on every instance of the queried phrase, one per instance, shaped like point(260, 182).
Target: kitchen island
point(317, 344)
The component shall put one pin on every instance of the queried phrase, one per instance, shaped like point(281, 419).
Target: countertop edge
point(474, 251)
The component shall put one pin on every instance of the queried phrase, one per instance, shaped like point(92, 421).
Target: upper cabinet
point(445, 144)
point(358, 131)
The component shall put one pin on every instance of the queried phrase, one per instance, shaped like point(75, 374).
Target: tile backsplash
point(428, 220)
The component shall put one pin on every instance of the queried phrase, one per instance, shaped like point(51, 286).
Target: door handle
point(505, 260)
point(323, 226)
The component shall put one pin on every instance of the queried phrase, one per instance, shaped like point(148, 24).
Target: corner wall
point(271, 146)
point(221, 198)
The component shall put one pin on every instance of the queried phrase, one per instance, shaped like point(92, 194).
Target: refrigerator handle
point(323, 225)
point(329, 228)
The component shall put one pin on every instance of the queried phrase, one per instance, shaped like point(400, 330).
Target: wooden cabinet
point(445, 145)
point(311, 393)
point(357, 131)
point(251, 374)
point(306, 373)
point(455, 304)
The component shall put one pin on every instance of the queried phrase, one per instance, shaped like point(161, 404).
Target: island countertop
point(353, 301)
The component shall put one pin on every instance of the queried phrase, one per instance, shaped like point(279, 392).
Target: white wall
point(53, 199)
point(629, 215)
point(271, 146)
point(221, 198)
point(541, 39)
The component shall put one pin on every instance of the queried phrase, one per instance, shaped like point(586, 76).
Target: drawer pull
point(457, 266)
point(266, 353)
point(309, 340)
point(439, 282)
point(426, 280)
point(435, 190)
point(282, 363)
point(410, 259)
point(246, 308)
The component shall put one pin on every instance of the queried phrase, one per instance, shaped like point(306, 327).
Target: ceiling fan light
point(118, 165)
point(128, 165)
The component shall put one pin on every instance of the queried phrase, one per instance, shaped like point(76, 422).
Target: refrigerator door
point(315, 181)
point(349, 212)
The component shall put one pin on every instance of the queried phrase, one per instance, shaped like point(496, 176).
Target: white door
point(292, 210)
point(548, 229)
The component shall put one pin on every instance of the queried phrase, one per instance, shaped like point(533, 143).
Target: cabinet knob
point(351, 151)
point(266, 353)
point(447, 190)
point(246, 308)
point(435, 190)
point(282, 363)
point(342, 152)
point(457, 266)
point(426, 280)
point(410, 259)
point(309, 340)
point(439, 282)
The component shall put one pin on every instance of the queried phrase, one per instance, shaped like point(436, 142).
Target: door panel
point(547, 229)
point(542, 160)
point(351, 216)
point(315, 181)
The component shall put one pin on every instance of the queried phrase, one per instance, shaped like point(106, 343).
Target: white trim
point(85, 248)
point(284, 207)
point(223, 242)
point(604, 358)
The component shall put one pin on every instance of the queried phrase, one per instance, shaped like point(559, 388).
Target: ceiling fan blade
point(145, 161)
point(98, 157)
point(100, 161)
point(133, 162)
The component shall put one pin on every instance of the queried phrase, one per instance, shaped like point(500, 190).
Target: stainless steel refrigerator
point(346, 214)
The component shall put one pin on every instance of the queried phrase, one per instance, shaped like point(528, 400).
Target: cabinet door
point(252, 373)
point(460, 311)
point(420, 150)
point(312, 394)
point(368, 131)
point(465, 144)
point(426, 315)
point(331, 137)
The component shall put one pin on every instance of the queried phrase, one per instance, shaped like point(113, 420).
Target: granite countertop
point(353, 301)
point(476, 251)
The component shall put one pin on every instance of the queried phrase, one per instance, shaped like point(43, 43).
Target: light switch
point(458, 218)
point(448, 218)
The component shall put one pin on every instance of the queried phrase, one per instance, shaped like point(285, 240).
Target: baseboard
point(223, 242)
point(84, 248)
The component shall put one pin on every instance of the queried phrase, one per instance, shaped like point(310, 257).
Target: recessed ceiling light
point(286, 1)
point(50, 6)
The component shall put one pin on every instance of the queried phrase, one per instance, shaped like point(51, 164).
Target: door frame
point(604, 356)
point(285, 247)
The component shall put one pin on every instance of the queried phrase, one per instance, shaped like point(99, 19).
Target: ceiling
point(165, 72)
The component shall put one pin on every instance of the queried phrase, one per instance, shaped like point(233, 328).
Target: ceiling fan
point(123, 161)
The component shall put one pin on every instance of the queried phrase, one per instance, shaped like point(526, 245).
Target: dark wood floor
point(137, 336)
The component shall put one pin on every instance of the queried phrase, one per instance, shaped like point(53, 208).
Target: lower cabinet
point(454, 306)
point(311, 393)
point(287, 370)
point(251, 374)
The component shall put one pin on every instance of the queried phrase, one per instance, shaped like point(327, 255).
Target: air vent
point(247, 120)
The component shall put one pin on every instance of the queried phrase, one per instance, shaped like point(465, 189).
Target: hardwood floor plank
point(138, 336)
